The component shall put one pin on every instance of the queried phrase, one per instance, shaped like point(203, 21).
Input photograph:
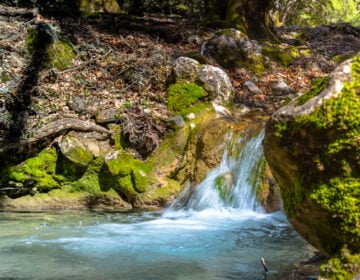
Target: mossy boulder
point(189, 76)
point(73, 149)
point(267, 190)
point(232, 48)
point(278, 53)
point(35, 173)
point(43, 39)
point(313, 150)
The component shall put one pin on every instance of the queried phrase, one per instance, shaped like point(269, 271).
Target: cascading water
point(218, 233)
point(232, 184)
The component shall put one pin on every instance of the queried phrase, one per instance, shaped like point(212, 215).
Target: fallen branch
point(14, 11)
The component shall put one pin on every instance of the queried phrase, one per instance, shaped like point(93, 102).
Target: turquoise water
point(209, 244)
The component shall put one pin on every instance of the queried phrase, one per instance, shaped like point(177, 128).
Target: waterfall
point(232, 184)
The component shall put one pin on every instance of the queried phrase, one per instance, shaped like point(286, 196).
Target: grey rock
point(216, 82)
point(178, 121)
point(252, 87)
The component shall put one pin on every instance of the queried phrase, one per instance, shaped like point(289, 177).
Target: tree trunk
point(250, 16)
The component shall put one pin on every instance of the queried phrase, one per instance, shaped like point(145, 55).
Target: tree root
point(51, 130)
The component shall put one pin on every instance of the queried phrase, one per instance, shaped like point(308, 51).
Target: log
point(15, 11)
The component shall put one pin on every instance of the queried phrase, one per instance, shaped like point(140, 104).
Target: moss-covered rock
point(128, 176)
point(59, 55)
point(188, 75)
point(74, 151)
point(313, 150)
point(32, 175)
point(267, 190)
point(44, 39)
point(232, 48)
point(277, 54)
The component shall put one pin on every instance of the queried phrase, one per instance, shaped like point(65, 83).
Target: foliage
point(344, 266)
point(316, 12)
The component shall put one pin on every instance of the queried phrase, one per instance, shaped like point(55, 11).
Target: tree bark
point(250, 16)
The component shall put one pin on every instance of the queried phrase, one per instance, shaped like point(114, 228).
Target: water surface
point(210, 244)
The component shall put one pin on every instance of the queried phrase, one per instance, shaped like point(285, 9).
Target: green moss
point(171, 187)
point(66, 170)
point(182, 96)
point(329, 182)
point(340, 58)
point(276, 54)
point(116, 136)
point(126, 188)
point(89, 182)
point(59, 55)
point(127, 175)
point(4, 77)
point(39, 169)
point(31, 40)
point(340, 196)
point(317, 86)
point(254, 63)
point(17, 176)
point(344, 266)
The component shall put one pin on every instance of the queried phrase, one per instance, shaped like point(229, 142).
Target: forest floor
point(125, 62)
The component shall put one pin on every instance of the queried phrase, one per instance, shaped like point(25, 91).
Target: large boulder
point(232, 48)
point(313, 148)
point(214, 80)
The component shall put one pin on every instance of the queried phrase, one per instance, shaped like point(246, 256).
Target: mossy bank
point(312, 146)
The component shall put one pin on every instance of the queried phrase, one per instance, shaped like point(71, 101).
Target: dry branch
point(14, 11)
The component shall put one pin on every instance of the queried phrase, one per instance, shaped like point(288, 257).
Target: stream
point(210, 232)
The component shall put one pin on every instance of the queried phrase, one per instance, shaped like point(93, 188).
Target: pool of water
point(185, 244)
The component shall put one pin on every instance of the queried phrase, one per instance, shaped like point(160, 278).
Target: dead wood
point(142, 131)
point(15, 11)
